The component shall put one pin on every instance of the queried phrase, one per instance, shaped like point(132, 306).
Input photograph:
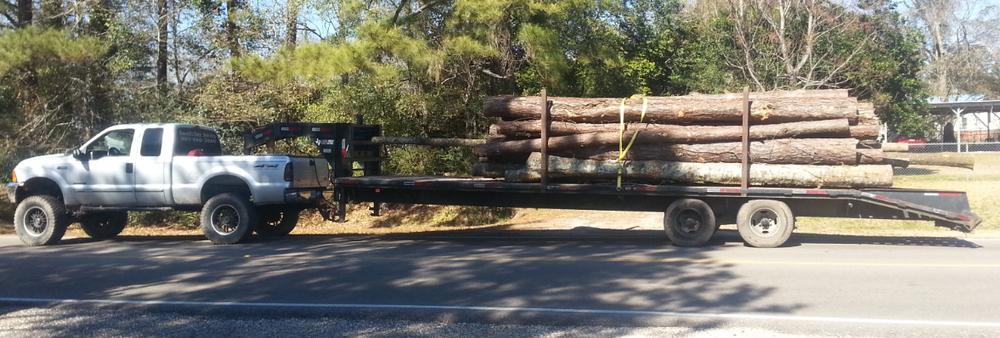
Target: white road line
point(507, 309)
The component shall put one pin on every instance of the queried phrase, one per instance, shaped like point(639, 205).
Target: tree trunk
point(25, 14)
point(895, 147)
point(654, 133)
point(673, 110)
point(805, 176)
point(939, 159)
point(494, 170)
point(428, 141)
point(780, 151)
point(232, 29)
point(684, 133)
point(292, 25)
point(161, 41)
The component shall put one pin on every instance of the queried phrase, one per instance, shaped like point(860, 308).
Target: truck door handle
point(129, 168)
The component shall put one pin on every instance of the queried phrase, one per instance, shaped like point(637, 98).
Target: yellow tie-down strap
point(622, 148)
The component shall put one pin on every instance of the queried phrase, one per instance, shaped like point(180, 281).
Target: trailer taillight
point(289, 172)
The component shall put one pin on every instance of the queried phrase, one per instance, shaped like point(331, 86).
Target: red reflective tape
point(294, 129)
point(349, 182)
point(816, 192)
point(730, 191)
point(567, 187)
point(645, 189)
point(963, 217)
point(950, 194)
point(267, 132)
point(325, 129)
point(881, 197)
point(421, 184)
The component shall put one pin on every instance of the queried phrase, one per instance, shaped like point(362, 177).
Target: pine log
point(662, 134)
point(673, 110)
point(937, 159)
point(678, 133)
point(895, 147)
point(428, 141)
point(798, 93)
point(806, 176)
point(866, 129)
point(494, 170)
point(779, 151)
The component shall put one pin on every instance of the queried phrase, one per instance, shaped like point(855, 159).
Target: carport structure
point(986, 113)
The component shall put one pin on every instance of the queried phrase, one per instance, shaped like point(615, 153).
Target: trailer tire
point(228, 218)
point(689, 222)
point(277, 222)
point(765, 223)
point(104, 224)
point(41, 220)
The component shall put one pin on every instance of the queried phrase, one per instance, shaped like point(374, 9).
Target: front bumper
point(12, 191)
point(307, 196)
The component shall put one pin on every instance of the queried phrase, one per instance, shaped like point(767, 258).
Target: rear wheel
point(228, 218)
point(104, 224)
point(765, 223)
point(689, 222)
point(277, 222)
point(40, 220)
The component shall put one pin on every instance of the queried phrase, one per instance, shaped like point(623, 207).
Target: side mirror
point(80, 155)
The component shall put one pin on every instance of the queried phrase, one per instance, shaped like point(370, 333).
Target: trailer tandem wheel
point(689, 222)
point(765, 223)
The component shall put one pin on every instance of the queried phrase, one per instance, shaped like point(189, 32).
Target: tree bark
point(674, 110)
point(938, 159)
point(161, 41)
point(895, 147)
point(866, 129)
point(609, 134)
point(428, 141)
point(805, 176)
point(780, 151)
point(494, 170)
point(25, 14)
point(292, 25)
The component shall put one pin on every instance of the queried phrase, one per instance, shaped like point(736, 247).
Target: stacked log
point(805, 138)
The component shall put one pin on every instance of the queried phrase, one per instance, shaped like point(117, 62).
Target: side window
point(152, 142)
point(113, 143)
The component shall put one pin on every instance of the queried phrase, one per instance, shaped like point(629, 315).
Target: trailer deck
point(947, 208)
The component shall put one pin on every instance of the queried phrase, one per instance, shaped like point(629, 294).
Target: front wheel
point(40, 220)
point(228, 218)
point(277, 222)
point(104, 224)
point(689, 222)
point(765, 223)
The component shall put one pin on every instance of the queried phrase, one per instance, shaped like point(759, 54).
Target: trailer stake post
point(545, 140)
point(745, 179)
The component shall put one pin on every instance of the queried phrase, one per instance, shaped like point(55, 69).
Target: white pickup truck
point(142, 167)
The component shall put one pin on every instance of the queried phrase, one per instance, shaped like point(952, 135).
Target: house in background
point(965, 121)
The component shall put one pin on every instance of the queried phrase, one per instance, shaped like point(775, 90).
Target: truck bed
point(946, 208)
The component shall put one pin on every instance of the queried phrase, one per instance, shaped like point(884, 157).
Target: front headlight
point(13, 175)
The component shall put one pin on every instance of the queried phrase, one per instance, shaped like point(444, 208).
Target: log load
point(805, 176)
point(819, 134)
point(610, 134)
point(673, 110)
point(780, 151)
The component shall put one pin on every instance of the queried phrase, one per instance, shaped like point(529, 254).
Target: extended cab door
point(152, 170)
point(104, 175)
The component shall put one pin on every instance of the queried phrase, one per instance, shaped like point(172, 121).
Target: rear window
point(193, 139)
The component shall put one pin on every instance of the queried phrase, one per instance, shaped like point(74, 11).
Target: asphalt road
point(610, 283)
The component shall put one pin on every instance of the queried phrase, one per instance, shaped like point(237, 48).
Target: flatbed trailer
point(691, 213)
point(764, 216)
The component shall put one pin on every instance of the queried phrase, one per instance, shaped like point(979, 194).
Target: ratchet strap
point(622, 148)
